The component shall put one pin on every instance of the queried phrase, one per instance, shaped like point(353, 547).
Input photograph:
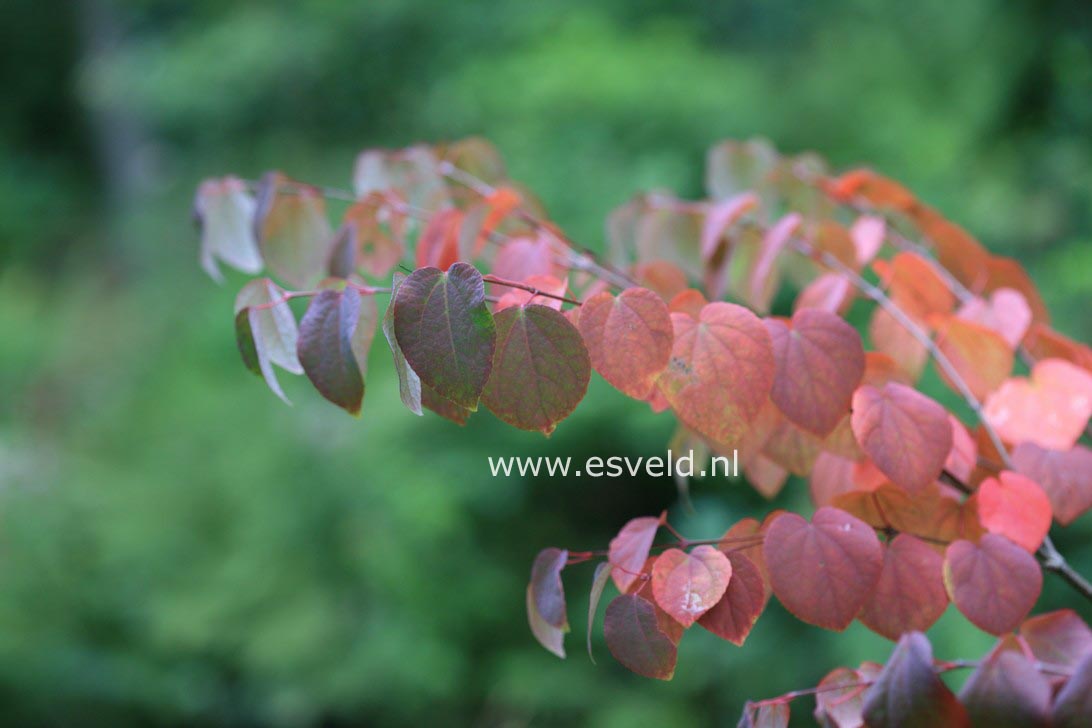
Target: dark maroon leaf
point(1073, 706)
point(908, 693)
point(1006, 691)
point(635, 639)
point(326, 347)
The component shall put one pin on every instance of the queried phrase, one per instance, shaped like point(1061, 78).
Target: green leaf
point(541, 369)
point(445, 331)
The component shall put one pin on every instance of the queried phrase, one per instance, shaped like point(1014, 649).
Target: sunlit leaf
point(1051, 408)
point(629, 549)
point(1014, 506)
point(720, 372)
point(629, 338)
point(1006, 312)
point(687, 585)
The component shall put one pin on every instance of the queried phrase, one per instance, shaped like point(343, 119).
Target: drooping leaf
point(719, 217)
point(866, 186)
point(446, 332)
point(333, 338)
point(225, 209)
point(687, 585)
point(844, 708)
point(820, 361)
point(980, 355)
point(831, 292)
point(1065, 476)
point(629, 338)
point(1014, 506)
point(547, 588)
point(830, 477)
point(1008, 273)
point(409, 384)
point(956, 250)
point(915, 285)
point(792, 447)
point(292, 230)
point(823, 571)
point(743, 602)
point(908, 694)
point(994, 582)
point(1073, 704)
point(276, 323)
point(412, 172)
point(766, 715)
point(720, 372)
point(599, 582)
point(1044, 342)
point(1060, 638)
point(907, 435)
point(540, 371)
point(370, 238)
point(549, 636)
point(1006, 312)
point(765, 476)
point(443, 406)
point(746, 537)
point(909, 596)
point(1050, 409)
point(1007, 691)
point(763, 279)
point(635, 639)
point(629, 549)
point(733, 167)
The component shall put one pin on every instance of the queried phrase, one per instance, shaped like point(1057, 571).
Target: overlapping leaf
point(335, 335)
point(629, 338)
point(635, 639)
point(224, 209)
point(1007, 691)
point(629, 549)
point(720, 372)
point(909, 596)
point(1014, 506)
point(1059, 638)
point(743, 602)
point(687, 585)
point(823, 571)
point(292, 230)
point(446, 332)
point(980, 355)
point(994, 582)
point(1050, 409)
point(908, 693)
point(540, 370)
point(820, 361)
point(266, 331)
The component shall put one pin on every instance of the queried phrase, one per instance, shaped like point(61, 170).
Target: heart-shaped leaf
point(994, 582)
point(907, 435)
point(1059, 638)
point(335, 335)
point(820, 361)
point(823, 571)
point(629, 549)
point(1050, 409)
point(980, 355)
point(687, 585)
point(292, 230)
point(909, 596)
point(1065, 476)
point(1014, 506)
point(909, 693)
point(721, 371)
point(446, 332)
point(744, 600)
point(541, 369)
point(629, 338)
point(1007, 690)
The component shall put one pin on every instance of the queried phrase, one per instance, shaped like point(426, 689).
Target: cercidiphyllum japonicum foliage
point(914, 508)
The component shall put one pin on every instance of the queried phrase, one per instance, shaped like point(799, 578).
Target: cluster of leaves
point(915, 508)
point(1040, 675)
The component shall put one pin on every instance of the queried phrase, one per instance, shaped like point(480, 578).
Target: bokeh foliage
point(177, 546)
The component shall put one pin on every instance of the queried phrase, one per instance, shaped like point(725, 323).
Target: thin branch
point(530, 289)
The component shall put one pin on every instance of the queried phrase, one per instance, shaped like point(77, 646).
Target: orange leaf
point(980, 355)
point(629, 338)
point(1015, 507)
point(687, 585)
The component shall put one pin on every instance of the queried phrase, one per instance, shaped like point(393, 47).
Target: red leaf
point(292, 230)
point(1073, 705)
point(335, 334)
point(956, 250)
point(443, 406)
point(438, 246)
point(751, 534)
point(519, 259)
point(446, 331)
point(1065, 476)
point(1015, 507)
point(1006, 312)
point(791, 447)
point(763, 281)
point(767, 715)
point(718, 218)
point(541, 369)
point(820, 361)
point(823, 571)
point(994, 583)
point(873, 188)
point(629, 549)
point(1059, 638)
point(501, 202)
point(908, 692)
point(915, 286)
point(629, 338)
point(687, 585)
point(224, 210)
point(1007, 691)
point(843, 708)
point(736, 613)
point(910, 596)
point(906, 434)
point(830, 477)
point(721, 371)
point(981, 356)
point(766, 476)
point(1050, 409)
point(690, 302)
point(635, 639)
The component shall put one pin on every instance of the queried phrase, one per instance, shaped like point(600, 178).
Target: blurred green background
point(178, 547)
